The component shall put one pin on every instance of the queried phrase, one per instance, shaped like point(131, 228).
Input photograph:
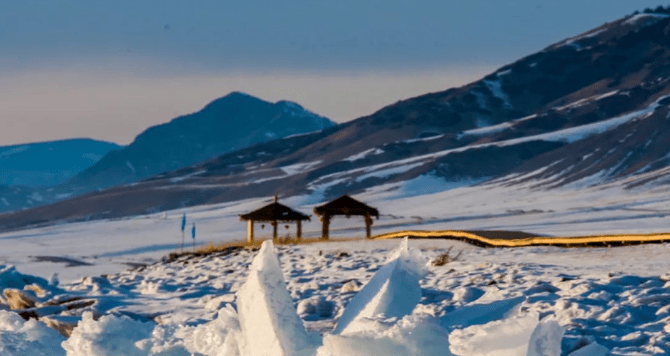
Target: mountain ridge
point(49, 163)
point(190, 145)
point(231, 122)
point(589, 91)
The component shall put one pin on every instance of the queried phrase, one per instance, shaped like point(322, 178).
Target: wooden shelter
point(274, 213)
point(347, 206)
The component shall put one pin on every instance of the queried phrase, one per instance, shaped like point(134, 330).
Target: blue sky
point(109, 69)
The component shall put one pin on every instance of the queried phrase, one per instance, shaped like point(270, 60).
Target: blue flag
point(183, 223)
point(193, 231)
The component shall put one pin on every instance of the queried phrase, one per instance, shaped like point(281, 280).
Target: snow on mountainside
point(49, 163)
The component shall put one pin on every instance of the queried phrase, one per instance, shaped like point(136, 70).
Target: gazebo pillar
point(325, 226)
point(299, 229)
point(274, 229)
point(368, 226)
point(347, 206)
point(250, 231)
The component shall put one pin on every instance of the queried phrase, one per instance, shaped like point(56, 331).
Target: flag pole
point(183, 231)
point(193, 236)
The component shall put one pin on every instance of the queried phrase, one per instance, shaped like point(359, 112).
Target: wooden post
point(368, 226)
point(299, 228)
point(325, 225)
point(250, 231)
point(274, 229)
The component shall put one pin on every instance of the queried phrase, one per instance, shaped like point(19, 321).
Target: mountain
point(592, 109)
point(49, 163)
point(232, 122)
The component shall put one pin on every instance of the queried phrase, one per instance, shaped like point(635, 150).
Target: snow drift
point(381, 320)
point(27, 338)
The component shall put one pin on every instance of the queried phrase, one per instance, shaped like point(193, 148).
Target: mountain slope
point(594, 105)
point(49, 163)
point(232, 122)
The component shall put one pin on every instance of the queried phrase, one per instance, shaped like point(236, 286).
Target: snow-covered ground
point(367, 298)
point(90, 248)
point(487, 303)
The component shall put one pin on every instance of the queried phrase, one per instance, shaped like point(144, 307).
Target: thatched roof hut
point(274, 213)
point(347, 206)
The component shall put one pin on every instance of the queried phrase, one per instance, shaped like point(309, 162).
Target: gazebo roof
point(346, 205)
point(274, 211)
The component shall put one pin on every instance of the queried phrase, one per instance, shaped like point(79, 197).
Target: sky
point(110, 69)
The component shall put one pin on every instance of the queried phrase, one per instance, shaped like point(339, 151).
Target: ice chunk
point(393, 291)
point(108, 336)
point(593, 349)
point(166, 340)
point(11, 278)
point(335, 345)
point(54, 281)
point(27, 338)
point(412, 335)
point(482, 313)
point(218, 337)
point(268, 320)
point(508, 337)
point(422, 335)
point(546, 339)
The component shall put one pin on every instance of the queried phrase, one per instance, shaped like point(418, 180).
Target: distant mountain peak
point(238, 95)
point(234, 98)
point(231, 122)
point(49, 163)
point(290, 104)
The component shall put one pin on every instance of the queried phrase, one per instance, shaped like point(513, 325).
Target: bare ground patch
point(69, 262)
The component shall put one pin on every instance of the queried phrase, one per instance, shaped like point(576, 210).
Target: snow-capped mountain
point(49, 163)
point(592, 108)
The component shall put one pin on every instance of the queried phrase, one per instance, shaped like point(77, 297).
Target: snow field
point(527, 301)
point(101, 247)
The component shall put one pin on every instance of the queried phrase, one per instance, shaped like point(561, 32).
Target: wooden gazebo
point(274, 214)
point(347, 206)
